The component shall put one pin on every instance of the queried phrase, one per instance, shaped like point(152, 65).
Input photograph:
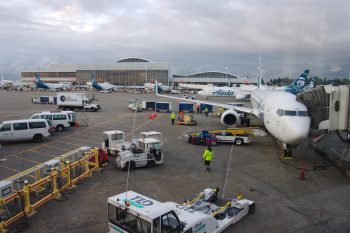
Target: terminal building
point(216, 78)
point(128, 72)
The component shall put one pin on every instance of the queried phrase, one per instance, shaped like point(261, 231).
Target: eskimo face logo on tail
point(301, 82)
point(63, 98)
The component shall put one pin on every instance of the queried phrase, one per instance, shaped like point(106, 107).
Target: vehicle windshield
point(127, 221)
point(156, 145)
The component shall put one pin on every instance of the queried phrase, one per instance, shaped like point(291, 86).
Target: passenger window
point(6, 127)
point(290, 113)
point(20, 126)
point(170, 223)
point(36, 125)
point(59, 117)
point(35, 117)
point(48, 117)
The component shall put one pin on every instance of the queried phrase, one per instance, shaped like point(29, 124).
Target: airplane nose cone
point(298, 130)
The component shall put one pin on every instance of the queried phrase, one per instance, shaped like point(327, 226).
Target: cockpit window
point(303, 113)
point(290, 113)
point(281, 112)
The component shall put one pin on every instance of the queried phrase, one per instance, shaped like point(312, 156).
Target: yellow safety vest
point(206, 110)
point(208, 155)
point(172, 116)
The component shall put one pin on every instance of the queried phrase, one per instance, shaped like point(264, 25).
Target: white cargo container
point(75, 100)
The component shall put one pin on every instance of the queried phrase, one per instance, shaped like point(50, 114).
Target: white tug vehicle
point(134, 213)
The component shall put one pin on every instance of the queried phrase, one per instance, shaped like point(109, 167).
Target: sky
point(192, 36)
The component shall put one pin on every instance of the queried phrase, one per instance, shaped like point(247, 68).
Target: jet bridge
point(329, 107)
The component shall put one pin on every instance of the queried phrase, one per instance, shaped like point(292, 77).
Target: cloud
point(209, 35)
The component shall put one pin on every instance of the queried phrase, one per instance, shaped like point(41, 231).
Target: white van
point(70, 114)
point(27, 129)
point(58, 119)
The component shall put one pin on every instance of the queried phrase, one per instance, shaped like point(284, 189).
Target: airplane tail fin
point(156, 86)
point(312, 83)
point(93, 77)
point(37, 78)
point(299, 84)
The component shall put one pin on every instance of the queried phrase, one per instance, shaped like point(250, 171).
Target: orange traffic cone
point(302, 174)
point(155, 114)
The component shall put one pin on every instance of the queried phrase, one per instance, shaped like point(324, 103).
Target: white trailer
point(74, 101)
point(133, 212)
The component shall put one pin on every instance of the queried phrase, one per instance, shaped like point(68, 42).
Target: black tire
point(93, 110)
point(151, 163)
point(189, 139)
point(132, 166)
point(38, 138)
point(251, 208)
point(238, 141)
point(60, 128)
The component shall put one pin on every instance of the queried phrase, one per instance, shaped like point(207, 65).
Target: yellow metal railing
point(89, 163)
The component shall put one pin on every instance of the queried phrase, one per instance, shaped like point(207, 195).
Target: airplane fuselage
point(283, 116)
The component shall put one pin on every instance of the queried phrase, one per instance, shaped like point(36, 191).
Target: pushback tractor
point(133, 212)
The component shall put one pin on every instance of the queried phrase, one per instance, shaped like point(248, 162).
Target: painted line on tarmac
point(87, 140)
point(41, 153)
point(28, 160)
point(182, 135)
point(11, 169)
point(69, 143)
point(86, 135)
point(45, 144)
point(144, 124)
point(58, 148)
point(227, 173)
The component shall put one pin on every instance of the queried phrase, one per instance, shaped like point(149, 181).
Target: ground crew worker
point(182, 114)
point(206, 111)
point(208, 156)
point(197, 108)
point(172, 117)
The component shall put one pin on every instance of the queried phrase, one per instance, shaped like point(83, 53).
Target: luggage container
point(148, 105)
point(186, 107)
point(163, 106)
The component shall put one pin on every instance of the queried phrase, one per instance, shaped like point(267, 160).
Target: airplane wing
point(250, 111)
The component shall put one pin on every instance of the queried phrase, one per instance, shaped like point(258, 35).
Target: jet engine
point(242, 96)
point(230, 118)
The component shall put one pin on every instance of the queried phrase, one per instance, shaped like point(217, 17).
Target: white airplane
point(194, 86)
point(49, 86)
point(161, 87)
point(283, 116)
point(102, 86)
point(243, 92)
point(5, 83)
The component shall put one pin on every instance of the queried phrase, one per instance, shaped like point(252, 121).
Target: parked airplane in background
point(244, 92)
point(194, 86)
point(161, 87)
point(49, 86)
point(5, 83)
point(283, 116)
point(102, 86)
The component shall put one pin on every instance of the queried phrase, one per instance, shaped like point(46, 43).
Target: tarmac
point(321, 203)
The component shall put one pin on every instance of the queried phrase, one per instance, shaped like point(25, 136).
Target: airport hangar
point(128, 72)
